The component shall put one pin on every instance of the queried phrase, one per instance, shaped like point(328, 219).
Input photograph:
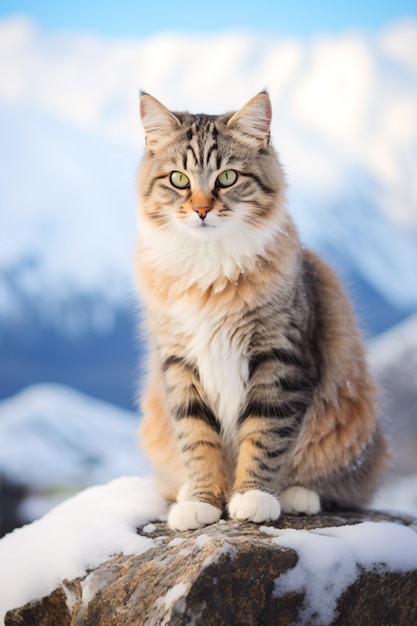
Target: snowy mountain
point(67, 201)
point(53, 436)
point(55, 441)
point(344, 125)
point(393, 359)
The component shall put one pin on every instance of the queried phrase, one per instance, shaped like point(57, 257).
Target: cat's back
point(336, 333)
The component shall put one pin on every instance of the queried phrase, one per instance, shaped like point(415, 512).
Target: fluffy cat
point(258, 397)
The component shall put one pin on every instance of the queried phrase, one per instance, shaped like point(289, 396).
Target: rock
point(11, 497)
point(223, 575)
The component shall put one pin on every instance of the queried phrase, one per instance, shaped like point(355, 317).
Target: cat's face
point(209, 175)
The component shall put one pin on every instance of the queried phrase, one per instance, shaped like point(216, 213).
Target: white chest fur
point(219, 347)
point(217, 342)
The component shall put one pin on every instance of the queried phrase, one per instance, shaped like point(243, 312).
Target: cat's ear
point(254, 118)
point(158, 122)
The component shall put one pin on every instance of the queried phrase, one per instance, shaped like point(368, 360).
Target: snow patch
point(331, 559)
point(225, 550)
point(270, 530)
point(202, 540)
point(378, 545)
point(173, 595)
point(228, 550)
point(177, 541)
point(71, 598)
point(149, 529)
point(77, 535)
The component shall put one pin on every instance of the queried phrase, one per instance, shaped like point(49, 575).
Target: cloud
point(334, 93)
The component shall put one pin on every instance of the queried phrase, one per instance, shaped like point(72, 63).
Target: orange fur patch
point(159, 439)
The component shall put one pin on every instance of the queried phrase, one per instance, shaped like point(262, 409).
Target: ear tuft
point(254, 118)
point(158, 122)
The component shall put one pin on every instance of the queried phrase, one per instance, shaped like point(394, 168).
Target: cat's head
point(210, 175)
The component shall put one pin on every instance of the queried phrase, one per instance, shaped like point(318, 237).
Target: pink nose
point(202, 211)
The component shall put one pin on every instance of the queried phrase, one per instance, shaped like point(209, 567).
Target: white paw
point(300, 500)
point(254, 506)
point(191, 514)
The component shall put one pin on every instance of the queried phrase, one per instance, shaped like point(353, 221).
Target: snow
point(173, 595)
point(100, 522)
point(55, 439)
point(331, 559)
point(149, 529)
point(344, 124)
point(67, 232)
point(55, 436)
point(398, 495)
point(77, 535)
point(177, 541)
point(393, 359)
point(202, 540)
point(396, 345)
point(226, 549)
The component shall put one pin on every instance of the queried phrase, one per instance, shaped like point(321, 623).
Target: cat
point(258, 397)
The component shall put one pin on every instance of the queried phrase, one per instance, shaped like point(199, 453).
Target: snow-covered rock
point(349, 568)
point(78, 534)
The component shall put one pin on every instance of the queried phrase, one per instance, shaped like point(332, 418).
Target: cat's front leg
point(254, 496)
point(280, 387)
point(263, 444)
point(198, 435)
point(200, 502)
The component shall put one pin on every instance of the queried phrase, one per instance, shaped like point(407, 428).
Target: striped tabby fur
point(258, 397)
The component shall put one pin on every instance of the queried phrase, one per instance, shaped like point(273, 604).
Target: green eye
point(179, 180)
point(227, 178)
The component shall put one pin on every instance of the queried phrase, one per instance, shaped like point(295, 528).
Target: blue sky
point(135, 18)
